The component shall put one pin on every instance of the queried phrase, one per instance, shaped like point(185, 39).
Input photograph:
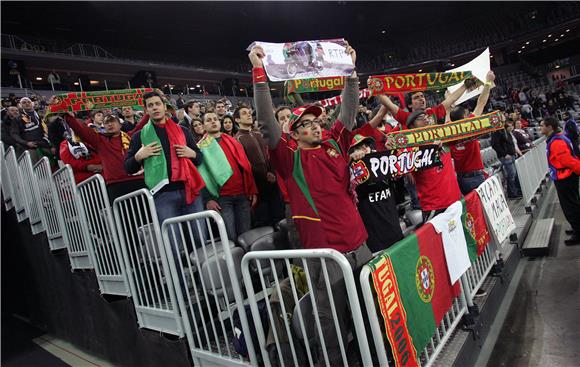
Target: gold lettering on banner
point(399, 81)
point(389, 80)
point(429, 81)
point(443, 80)
point(420, 78)
point(410, 81)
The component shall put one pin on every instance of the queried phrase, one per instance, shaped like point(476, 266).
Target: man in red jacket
point(111, 147)
point(318, 181)
point(564, 171)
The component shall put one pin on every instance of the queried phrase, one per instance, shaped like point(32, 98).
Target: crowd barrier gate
point(17, 189)
point(74, 231)
point(6, 181)
point(307, 323)
point(51, 216)
point(532, 168)
point(146, 264)
point(206, 277)
point(445, 329)
point(30, 193)
point(103, 244)
point(474, 277)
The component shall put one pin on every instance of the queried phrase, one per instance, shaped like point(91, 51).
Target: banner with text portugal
point(413, 291)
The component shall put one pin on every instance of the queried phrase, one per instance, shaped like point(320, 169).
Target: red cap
point(297, 113)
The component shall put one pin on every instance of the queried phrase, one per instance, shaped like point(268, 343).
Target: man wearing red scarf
point(169, 156)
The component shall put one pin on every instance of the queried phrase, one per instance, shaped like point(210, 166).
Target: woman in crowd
point(228, 126)
point(197, 129)
point(523, 139)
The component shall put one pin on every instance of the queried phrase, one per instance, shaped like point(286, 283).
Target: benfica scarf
point(85, 101)
point(182, 169)
point(382, 84)
point(413, 291)
point(451, 131)
point(216, 169)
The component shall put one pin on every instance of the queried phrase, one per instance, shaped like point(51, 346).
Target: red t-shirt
point(235, 185)
point(437, 187)
point(438, 112)
point(335, 223)
point(467, 156)
point(379, 136)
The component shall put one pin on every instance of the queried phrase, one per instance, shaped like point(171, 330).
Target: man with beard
point(27, 130)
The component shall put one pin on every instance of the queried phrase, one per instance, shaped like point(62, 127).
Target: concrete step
point(537, 242)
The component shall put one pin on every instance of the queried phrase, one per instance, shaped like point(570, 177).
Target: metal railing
point(206, 276)
point(49, 213)
point(30, 193)
point(74, 231)
point(532, 169)
point(293, 322)
point(103, 243)
point(146, 264)
point(17, 189)
point(474, 276)
point(6, 181)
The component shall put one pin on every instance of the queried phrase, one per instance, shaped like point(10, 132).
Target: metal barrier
point(293, 322)
point(74, 232)
point(103, 240)
point(532, 169)
point(6, 182)
point(50, 215)
point(206, 276)
point(476, 274)
point(146, 264)
point(30, 193)
point(445, 329)
point(17, 189)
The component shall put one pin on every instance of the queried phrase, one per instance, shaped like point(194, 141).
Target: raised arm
point(263, 100)
point(484, 96)
point(376, 120)
point(349, 95)
point(84, 132)
point(389, 105)
point(453, 97)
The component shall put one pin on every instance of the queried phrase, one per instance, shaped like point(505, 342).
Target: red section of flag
point(479, 229)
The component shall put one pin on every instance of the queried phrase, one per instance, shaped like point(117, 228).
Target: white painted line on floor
point(68, 353)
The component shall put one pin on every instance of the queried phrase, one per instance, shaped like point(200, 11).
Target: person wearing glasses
point(317, 177)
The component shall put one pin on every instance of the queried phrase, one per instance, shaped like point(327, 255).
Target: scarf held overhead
point(85, 101)
point(182, 169)
point(451, 131)
point(382, 84)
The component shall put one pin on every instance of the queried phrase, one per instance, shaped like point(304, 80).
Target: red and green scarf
point(182, 169)
point(383, 84)
point(85, 101)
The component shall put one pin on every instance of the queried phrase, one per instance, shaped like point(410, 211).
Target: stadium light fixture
point(76, 83)
point(38, 78)
point(520, 51)
point(549, 35)
point(562, 35)
point(198, 86)
point(557, 66)
point(523, 47)
point(556, 40)
point(383, 31)
point(544, 41)
point(567, 30)
point(94, 82)
point(420, 70)
point(527, 43)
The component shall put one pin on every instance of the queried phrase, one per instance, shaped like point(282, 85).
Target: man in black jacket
point(502, 142)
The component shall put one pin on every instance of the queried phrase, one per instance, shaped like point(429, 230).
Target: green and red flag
point(85, 101)
point(474, 226)
point(392, 83)
point(315, 85)
point(450, 131)
point(414, 292)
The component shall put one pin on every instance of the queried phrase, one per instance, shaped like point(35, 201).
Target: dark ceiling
point(210, 32)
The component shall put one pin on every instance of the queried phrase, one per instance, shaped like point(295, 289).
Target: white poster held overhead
point(450, 226)
point(305, 59)
point(496, 210)
point(479, 68)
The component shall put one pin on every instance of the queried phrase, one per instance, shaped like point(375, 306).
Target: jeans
point(511, 176)
point(468, 184)
point(170, 204)
point(236, 214)
point(412, 190)
point(356, 259)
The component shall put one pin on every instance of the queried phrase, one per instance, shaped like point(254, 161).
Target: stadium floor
point(542, 325)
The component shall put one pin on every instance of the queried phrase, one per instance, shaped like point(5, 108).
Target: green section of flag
point(469, 239)
point(420, 320)
point(215, 168)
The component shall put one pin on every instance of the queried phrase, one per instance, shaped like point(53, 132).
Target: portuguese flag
point(413, 291)
point(474, 227)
